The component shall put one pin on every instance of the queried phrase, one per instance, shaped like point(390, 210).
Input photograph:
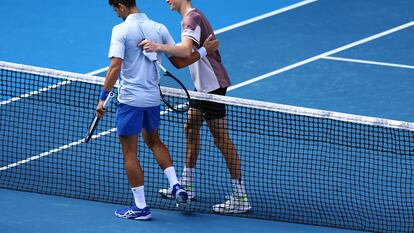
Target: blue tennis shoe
point(134, 212)
point(179, 193)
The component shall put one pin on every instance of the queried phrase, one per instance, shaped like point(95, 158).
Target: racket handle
point(108, 100)
point(161, 66)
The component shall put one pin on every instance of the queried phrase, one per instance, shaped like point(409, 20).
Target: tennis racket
point(94, 122)
point(178, 99)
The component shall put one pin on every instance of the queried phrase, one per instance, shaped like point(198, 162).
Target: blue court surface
point(350, 56)
point(28, 212)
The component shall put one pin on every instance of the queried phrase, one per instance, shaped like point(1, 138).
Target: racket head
point(180, 101)
point(91, 128)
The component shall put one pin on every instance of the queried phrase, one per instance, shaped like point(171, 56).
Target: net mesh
point(298, 165)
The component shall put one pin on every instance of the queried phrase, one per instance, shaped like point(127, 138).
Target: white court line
point(225, 29)
point(264, 16)
point(231, 27)
point(326, 54)
point(48, 88)
point(243, 83)
point(95, 72)
point(45, 89)
point(368, 62)
point(64, 147)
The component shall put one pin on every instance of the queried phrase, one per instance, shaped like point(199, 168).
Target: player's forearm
point(176, 50)
point(111, 77)
point(183, 62)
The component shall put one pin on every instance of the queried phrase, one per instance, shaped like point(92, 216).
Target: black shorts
point(211, 110)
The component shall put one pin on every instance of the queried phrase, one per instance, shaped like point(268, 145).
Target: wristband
point(202, 51)
point(104, 94)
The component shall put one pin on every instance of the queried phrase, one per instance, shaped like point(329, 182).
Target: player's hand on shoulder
point(210, 44)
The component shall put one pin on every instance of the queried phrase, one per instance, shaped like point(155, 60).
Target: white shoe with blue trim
point(134, 212)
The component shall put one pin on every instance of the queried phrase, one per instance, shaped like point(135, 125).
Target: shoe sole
point(148, 217)
point(143, 218)
point(222, 211)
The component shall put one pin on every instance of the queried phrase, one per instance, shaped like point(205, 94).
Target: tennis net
point(299, 165)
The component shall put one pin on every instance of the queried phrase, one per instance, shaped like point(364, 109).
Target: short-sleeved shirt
point(138, 81)
point(208, 73)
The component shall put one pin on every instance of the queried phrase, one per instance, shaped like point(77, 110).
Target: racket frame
point(169, 105)
point(94, 123)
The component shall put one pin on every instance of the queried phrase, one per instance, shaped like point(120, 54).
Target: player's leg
point(237, 202)
point(128, 116)
point(151, 138)
point(218, 128)
point(192, 149)
point(131, 163)
point(192, 132)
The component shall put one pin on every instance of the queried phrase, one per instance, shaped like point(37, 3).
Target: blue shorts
point(131, 120)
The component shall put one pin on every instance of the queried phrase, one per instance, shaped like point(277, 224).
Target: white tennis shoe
point(236, 204)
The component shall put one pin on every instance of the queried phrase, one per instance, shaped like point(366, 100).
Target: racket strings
point(176, 103)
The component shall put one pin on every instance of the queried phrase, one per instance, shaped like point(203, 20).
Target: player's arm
point(209, 47)
point(110, 80)
point(182, 55)
point(180, 63)
point(183, 51)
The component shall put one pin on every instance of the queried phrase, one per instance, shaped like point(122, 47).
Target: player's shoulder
point(159, 27)
point(194, 13)
point(193, 16)
point(119, 27)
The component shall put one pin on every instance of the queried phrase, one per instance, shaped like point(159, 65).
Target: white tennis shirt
point(139, 77)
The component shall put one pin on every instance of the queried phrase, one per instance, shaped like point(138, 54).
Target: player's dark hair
point(127, 3)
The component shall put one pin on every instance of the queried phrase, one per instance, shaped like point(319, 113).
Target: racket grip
point(161, 66)
point(108, 100)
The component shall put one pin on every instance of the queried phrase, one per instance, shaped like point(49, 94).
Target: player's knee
point(130, 164)
point(152, 142)
point(222, 142)
point(191, 129)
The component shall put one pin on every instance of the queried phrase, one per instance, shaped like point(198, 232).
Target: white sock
point(139, 196)
point(171, 176)
point(238, 186)
point(187, 176)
